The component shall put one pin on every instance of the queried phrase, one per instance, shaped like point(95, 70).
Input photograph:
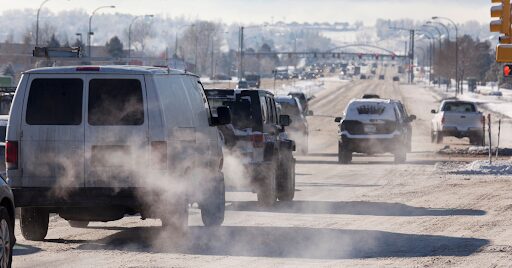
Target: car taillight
point(159, 155)
point(443, 120)
point(11, 154)
point(258, 140)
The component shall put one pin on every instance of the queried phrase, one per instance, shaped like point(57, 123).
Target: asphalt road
point(369, 213)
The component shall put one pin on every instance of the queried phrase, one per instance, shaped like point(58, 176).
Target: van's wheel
point(286, 186)
point(439, 137)
point(34, 223)
point(175, 218)
point(78, 224)
point(6, 237)
point(344, 154)
point(400, 155)
point(214, 205)
point(267, 192)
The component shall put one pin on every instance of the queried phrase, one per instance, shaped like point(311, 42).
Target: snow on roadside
point(478, 167)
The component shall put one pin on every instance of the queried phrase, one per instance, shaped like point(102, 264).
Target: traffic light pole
point(411, 68)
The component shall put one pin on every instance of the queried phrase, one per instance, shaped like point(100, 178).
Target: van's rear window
point(115, 102)
point(55, 101)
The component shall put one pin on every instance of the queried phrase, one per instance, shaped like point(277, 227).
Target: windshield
point(459, 107)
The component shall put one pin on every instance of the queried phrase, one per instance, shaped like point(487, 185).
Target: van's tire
point(34, 223)
point(78, 224)
point(286, 185)
point(213, 206)
point(267, 190)
point(7, 237)
point(344, 154)
point(175, 217)
point(400, 155)
point(439, 137)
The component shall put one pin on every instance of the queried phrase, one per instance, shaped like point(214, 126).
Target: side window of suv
point(55, 101)
point(264, 110)
point(115, 102)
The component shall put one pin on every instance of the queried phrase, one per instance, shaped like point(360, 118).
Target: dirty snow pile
point(479, 167)
point(474, 150)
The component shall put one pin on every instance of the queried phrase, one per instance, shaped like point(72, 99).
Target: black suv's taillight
point(11, 154)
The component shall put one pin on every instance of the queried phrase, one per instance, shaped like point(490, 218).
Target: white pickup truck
point(459, 119)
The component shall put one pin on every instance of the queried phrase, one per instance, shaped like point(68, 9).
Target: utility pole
point(241, 42)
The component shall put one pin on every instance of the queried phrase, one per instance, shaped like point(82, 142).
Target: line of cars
point(97, 143)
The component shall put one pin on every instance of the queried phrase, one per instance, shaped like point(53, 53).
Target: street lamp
point(176, 37)
point(130, 32)
point(456, 49)
point(37, 21)
point(241, 41)
point(90, 33)
point(439, 40)
point(442, 25)
point(80, 36)
point(431, 39)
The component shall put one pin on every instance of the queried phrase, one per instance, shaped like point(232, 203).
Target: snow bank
point(480, 167)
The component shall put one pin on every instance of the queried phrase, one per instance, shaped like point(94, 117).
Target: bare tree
point(141, 31)
point(198, 42)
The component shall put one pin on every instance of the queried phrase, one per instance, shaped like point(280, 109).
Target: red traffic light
point(507, 70)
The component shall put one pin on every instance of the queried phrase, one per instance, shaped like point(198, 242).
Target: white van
point(97, 143)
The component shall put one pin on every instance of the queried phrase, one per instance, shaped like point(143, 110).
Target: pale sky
point(256, 11)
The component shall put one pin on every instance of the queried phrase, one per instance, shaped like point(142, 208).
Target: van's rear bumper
point(78, 197)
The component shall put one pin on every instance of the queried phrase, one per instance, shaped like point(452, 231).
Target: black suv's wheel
point(267, 192)
point(286, 185)
point(6, 237)
point(34, 223)
point(214, 205)
point(344, 154)
point(78, 224)
point(400, 155)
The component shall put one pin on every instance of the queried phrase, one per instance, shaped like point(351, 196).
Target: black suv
point(255, 135)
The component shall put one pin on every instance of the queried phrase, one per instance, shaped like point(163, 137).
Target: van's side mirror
point(337, 119)
point(223, 116)
point(412, 118)
point(433, 111)
point(284, 120)
point(310, 113)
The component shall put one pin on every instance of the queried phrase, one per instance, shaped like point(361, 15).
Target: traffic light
point(507, 70)
point(502, 25)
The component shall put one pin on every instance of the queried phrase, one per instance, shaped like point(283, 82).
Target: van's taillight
point(443, 120)
point(11, 154)
point(159, 155)
point(258, 140)
point(88, 69)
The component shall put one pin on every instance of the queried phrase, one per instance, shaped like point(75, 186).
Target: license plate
point(370, 129)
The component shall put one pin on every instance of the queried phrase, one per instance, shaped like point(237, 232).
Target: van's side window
point(55, 101)
point(115, 102)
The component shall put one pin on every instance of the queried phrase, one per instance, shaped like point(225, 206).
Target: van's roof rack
point(56, 52)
